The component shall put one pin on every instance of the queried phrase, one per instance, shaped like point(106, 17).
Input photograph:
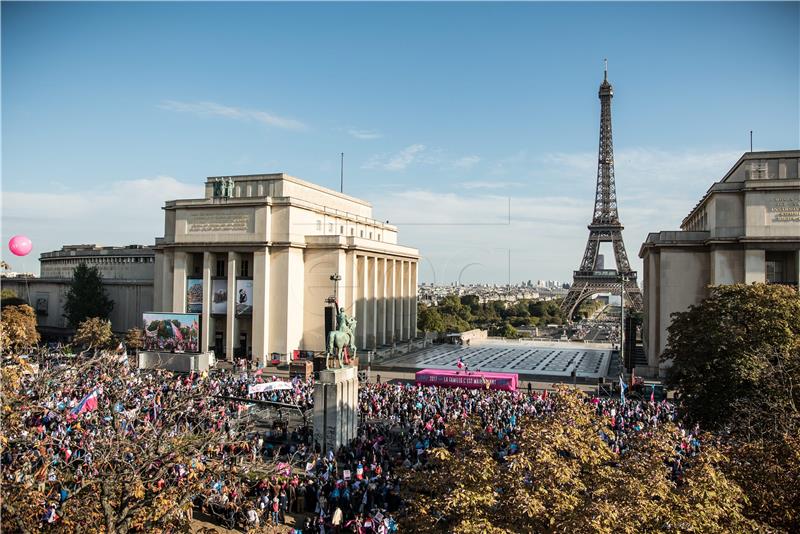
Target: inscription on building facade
point(218, 222)
point(785, 209)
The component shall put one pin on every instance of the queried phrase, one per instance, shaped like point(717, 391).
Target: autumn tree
point(95, 333)
point(18, 328)
point(134, 338)
point(567, 479)
point(86, 296)
point(736, 364)
point(154, 448)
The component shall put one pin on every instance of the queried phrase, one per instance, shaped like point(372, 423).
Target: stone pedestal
point(336, 407)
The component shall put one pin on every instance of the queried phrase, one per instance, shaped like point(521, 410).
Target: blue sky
point(443, 111)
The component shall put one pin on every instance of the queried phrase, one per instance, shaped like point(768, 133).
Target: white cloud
point(480, 184)
point(119, 213)
point(466, 162)
point(551, 204)
point(365, 134)
point(395, 162)
point(212, 109)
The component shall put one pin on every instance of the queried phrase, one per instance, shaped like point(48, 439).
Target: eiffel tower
point(605, 226)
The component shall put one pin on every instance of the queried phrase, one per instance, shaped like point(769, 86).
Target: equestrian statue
point(344, 337)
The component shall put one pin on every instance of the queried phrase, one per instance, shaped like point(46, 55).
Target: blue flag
point(622, 387)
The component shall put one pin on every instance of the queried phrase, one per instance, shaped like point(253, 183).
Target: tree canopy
point(94, 332)
point(86, 296)
point(565, 478)
point(18, 328)
point(735, 359)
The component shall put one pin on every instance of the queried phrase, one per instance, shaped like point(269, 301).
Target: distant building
point(127, 274)
point(745, 229)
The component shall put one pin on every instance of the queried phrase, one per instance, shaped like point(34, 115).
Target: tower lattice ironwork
point(605, 226)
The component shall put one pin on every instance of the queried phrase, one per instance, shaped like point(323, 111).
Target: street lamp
point(622, 279)
point(335, 278)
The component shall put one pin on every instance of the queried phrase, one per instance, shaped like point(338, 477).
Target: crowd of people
point(354, 489)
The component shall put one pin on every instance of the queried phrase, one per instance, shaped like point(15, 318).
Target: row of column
point(384, 299)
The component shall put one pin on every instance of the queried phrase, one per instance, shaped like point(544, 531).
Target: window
point(379, 237)
point(362, 233)
point(330, 228)
point(370, 235)
point(245, 269)
point(352, 232)
point(220, 267)
point(319, 226)
point(341, 230)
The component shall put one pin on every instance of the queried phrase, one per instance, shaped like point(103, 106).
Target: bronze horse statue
point(343, 337)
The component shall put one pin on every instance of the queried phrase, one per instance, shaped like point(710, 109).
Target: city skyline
point(444, 113)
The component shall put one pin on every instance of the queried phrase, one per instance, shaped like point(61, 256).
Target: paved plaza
point(522, 359)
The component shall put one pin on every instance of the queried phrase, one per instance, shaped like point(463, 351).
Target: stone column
point(414, 293)
point(260, 335)
point(179, 283)
point(336, 407)
point(381, 301)
point(409, 300)
point(362, 303)
point(207, 330)
point(231, 337)
point(372, 302)
point(398, 300)
point(390, 301)
point(754, 266)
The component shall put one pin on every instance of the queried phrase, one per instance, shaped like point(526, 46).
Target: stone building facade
point(256, 258)
point(127, 274)
point(745, 229)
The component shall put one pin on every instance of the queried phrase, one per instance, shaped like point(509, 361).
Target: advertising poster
point(244, 297)
point(219, 297)
point(194, 295)
point(171, 332)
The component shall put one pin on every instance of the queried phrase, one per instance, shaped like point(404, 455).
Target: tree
point(134, 339)
point(86, 296)
point(736, 365)
point(430, 320)
point(144, 471)
point(95, 333)
point(18, 328)
point(8, 294)
point(567, 479)
point(735, 359)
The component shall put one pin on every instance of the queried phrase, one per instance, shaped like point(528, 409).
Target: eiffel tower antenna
point(605, 226)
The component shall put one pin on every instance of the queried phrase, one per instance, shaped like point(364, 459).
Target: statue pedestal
point(336, 407)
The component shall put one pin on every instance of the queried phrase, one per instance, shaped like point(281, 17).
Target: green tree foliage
point(95, 333)
point(430, 320)
point(86, 296)
point(735, 359)
point(18, 328)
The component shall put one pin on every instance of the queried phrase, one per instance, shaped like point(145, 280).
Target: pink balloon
point(19, 245)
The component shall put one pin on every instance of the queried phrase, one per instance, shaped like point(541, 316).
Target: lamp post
point(335, 278)
point(622, 280)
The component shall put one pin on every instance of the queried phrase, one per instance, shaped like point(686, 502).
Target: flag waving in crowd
point(622, 387)
point(87, 403)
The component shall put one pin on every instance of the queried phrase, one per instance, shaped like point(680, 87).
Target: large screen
point(179, 332)
point(194, 295)
point(244, 297)
point(219, 297)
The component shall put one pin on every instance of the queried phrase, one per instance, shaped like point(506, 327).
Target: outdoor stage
point(525, 359)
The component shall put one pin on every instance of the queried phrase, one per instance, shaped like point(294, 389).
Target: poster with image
point(194, 295)
point(244, 297)
point(168, 332)
point(219, 297)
